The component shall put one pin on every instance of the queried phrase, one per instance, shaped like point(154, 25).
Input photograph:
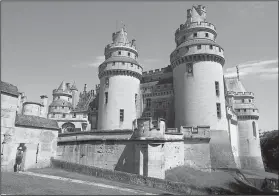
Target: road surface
point(54, 181)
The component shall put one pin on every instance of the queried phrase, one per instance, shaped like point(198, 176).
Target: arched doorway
point(68, 127)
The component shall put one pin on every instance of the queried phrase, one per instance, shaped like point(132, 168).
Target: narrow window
point(136, 96)
point(64, 115)
point(211, 47)
point(219, 49)
point(106, 97)
point(74, 115)
point(244, 110)
point(84, 115)
point(218, 106)
point(148, 103)
point(250, 100)
point(217, 88)
point(199, 47)
point(121, 115)
point(184, 38)
point(242, 100)
point(58, 97)
point(206, 34)
point(190, 68)
point(119, 52)
point(107, 82)
point(113, 63)
point(132, 64)
point(129, 54)
point(253, 110)
point(55, 107)
point(195, 34)
point(123, 63)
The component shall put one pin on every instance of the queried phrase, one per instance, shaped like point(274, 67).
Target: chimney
point(85, 86)
point(68, 85)
point(44, 108)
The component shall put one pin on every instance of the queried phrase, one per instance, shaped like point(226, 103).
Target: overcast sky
point(46, 42)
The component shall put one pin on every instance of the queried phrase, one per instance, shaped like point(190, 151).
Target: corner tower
point(247, 113)
point(197, 64)
point(119, 76)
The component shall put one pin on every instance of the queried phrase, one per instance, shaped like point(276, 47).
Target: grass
point(217, 182)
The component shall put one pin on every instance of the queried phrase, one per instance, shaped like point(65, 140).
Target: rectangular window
point(195, 34)
point(148, 103)
point(113, 63)
point(128, 53)
point(64, 115)
point(121, 115)
point(74, 115)
point(190, 68)
point(206, 34)
point(106, 97)
point(119, 52)
point(217, 88)
point(136, 97)
point(199, 47)
point(211, 47)
point(107, 82)
point(242, 100)
point(219, 49)
point(218, 106)
point(84, 115)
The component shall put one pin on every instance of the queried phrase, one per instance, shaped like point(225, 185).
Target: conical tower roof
point(74, 87)
point(234, 84)
point(62, 86)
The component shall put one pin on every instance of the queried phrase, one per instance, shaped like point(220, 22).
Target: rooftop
point(9, 88)
point(60, 103)
point(36, 122)
point(234, 84)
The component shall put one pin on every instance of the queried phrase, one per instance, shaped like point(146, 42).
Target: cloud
point(95, 63)
point(262, 68)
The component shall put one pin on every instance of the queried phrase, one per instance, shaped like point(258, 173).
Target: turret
point(74, 95)
point(119, 76)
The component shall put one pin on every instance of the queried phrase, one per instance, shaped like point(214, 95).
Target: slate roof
point(60, 103)
point(74, 87)
point(36, 122)
point(235, 85)
point(9, 88)
point(32, 102)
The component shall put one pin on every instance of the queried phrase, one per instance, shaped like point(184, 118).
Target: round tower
point(62, 99)
point(248, 131)
point(74, 95)
point(197, 64)
point(119, 76)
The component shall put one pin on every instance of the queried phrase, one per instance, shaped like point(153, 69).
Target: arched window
point(68, 127)
point(254, 129)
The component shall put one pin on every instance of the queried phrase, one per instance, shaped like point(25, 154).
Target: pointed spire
point(74, 86)
point(237, 71)
point(62, 86)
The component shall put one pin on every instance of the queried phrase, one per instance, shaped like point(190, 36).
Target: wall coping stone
point(105, 132)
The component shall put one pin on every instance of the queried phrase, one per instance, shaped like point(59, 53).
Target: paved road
point(66, 183)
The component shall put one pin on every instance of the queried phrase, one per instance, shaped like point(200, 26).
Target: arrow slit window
point(190, 69)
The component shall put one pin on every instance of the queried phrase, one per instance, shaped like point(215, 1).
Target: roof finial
point(237, 71)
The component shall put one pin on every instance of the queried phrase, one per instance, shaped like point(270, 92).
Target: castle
point(140, 122)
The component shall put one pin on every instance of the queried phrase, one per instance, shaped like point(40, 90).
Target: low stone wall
point(129, 178)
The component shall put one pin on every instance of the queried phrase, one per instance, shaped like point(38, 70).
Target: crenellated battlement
point(157, 71)
point(240, 94)
point(248, 112)
point(198, 132)
point(190, 26)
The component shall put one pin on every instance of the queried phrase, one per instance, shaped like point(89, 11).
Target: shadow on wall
point(221, 154)
point(127, 160)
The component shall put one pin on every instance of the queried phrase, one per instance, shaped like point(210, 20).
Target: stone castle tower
point(197, 64)
point(242, 102)
point(119, 90)
point(62, 99)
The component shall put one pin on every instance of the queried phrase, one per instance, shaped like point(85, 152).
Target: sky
point(46, 42)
